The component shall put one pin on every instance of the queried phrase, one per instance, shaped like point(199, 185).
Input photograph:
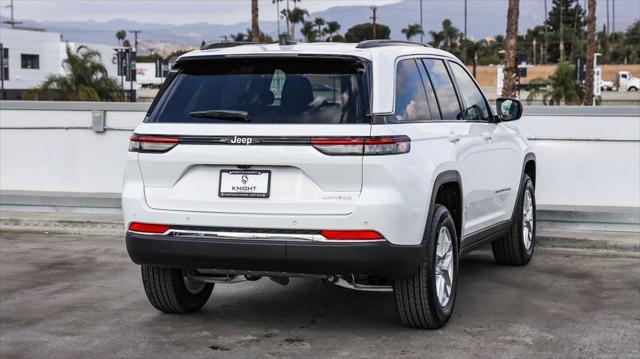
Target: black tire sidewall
point(517, 227)
point(187, 300)
point(441, 218)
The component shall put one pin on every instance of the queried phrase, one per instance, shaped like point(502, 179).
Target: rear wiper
point(222, 114)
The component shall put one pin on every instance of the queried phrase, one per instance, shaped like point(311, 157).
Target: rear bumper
point(372, 258)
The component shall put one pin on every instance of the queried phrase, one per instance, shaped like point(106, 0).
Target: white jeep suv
point(373, 166)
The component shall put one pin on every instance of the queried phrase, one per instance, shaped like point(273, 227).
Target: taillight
point(337, 235)
point(158, 144)
point(148, 228)
point(367, 146)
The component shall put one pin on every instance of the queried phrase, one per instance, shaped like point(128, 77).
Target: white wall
point(44, 44)
point(583, 160)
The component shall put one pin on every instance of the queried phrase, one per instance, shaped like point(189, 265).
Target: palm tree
point(86, 80)
point(437, 39)
point(240, 37)
point(450, 34)
point(332, 28)
point(591, 50)
point(511, 66)
point(319, 22)
point(120, 35)
point(255, 26)
point(295, 16)
point(412, 30)
point(308, 31)
point(285, 13)
point(564, 89)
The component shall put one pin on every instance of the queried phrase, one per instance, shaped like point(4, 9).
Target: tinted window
point(431, 95)
point(445, 92)
point(270, 90)
point(477, 109)
point(411, 102)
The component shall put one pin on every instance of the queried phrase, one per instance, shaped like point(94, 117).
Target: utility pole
point(135, 39)
point(606, 33)
point(464, 36)
point(542, 56)
point(373, 18)
point(613, 15)
point(561, 35)
point(278, 15)
point(421, 28)
point(13, 21)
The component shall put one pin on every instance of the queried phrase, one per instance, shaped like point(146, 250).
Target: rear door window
point(443, 87)
point(269, 90)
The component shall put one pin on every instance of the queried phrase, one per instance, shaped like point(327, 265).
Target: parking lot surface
point(79, 296)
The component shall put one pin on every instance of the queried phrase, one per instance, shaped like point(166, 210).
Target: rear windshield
point(268, 90)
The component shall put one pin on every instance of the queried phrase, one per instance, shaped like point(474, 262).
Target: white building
point(31, 56)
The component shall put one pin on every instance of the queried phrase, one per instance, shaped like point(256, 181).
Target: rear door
point(244, 131)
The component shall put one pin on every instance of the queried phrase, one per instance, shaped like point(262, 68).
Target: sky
point(163, 11)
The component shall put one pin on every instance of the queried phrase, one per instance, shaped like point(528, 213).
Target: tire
point(633, 88)
point(168, 292)
point(516, 248)
point(417, 301)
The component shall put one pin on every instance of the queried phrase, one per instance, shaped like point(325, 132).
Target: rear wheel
point(425, 299)
point(516, 248)
point(170, 291)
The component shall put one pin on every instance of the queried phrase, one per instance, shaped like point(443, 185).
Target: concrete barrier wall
point(586, 156)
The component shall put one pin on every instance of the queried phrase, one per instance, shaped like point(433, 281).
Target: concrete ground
point(65, 295)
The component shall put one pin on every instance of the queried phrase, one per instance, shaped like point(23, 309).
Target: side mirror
point(508, 109)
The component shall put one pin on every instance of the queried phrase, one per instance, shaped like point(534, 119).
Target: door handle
point(454, 137)
point(487, 136)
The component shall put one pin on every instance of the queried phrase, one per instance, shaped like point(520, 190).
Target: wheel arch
point(447, 190)
point(529, 167)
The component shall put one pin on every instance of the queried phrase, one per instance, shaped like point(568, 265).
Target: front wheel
point(425, 299)
point(170, 291)
point(516, 247)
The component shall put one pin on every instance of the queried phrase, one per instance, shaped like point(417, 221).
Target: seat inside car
point(297, 94)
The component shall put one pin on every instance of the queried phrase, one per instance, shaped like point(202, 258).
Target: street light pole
point(421, 28)
point(278, 15)
point(464, 39)
point(373, 18)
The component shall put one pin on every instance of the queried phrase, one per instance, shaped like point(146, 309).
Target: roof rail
point(222, 45)
point(367, 44)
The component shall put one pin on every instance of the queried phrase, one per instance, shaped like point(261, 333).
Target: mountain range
point(485, 18)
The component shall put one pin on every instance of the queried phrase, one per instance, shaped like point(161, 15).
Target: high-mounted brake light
point(148, 228)
point(158, 144)
point(351, 235)
point(367, 146)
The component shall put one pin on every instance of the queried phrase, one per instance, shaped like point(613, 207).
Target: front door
point(490, 169)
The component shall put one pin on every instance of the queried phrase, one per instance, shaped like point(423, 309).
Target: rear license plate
point(240, 183)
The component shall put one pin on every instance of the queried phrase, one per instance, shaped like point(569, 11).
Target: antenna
point(12, 22)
